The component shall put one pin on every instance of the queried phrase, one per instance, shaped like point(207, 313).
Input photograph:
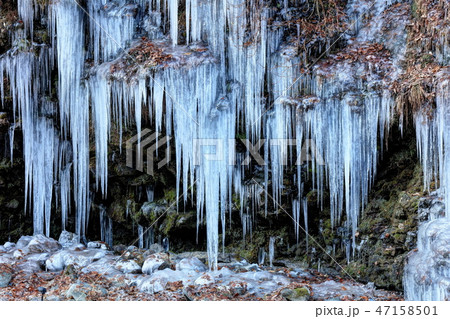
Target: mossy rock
point(296, 294)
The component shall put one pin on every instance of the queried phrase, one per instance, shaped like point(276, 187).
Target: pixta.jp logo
point(145, 145)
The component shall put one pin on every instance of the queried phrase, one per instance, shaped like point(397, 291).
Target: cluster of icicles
point(211, 99)
point(201, 101)
point(427, 272)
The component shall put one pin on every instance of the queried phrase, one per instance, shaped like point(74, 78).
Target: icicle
point(26, 14)
point(100, 92)
point(150, 193)
point(261, 256)
point(42, 156)
point(173, 17)
point(106, 227)
point(271, 250)
point(296, 217)
point(112, 26)
point(165, 244)
point(443, 115)
point(65, 194)
point(425, 277)
point(305, 218)
point(280, 131)
point(67, 22)
point(141, 236)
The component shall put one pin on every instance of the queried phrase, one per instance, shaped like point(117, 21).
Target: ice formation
point(232, 72)
point(427, 275)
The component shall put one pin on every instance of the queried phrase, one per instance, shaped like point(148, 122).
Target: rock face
point(388, 227)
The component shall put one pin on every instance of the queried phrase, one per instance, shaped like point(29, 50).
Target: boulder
point(42, 244)
point(191, 264)
point(6, 260)
point(155, 262)
point(152, 286)
point(39, 258)
point(205, 279)
point(6, 274)
point(29, 267)
point(80, 259)
point(9, 245)
point(296, 294)
point(68, 239)
point(128, 267)
point(103, 266)
point(23, 242)
point(158, 281)
point(155, 248)
point(97, 244)
point(80, 292)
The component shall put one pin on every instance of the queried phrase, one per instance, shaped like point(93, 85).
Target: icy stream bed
point(68, 270)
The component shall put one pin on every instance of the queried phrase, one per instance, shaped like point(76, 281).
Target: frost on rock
point(427, 275)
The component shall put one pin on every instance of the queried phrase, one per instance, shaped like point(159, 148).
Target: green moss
point(170, 195)
point(169, 222)
point(302, 292)
point(117, 211)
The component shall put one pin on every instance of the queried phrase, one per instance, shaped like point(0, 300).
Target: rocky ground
point(38, 267)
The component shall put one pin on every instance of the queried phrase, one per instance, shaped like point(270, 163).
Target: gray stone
point(23, 242)
point(296, 294)
point(9, 245)
point(97, 244)
point(205, 279)
point(191, 264)
point(39, 258)
point(155, 262)
point(68, 239)
point(5, 276)
point(128, 267)
point(42, 244)
point(6, 260)
point(80, 259)
point(152, 286)
point(155, 248)
point(80, 291)
point(103, 266)
point(29, 267)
